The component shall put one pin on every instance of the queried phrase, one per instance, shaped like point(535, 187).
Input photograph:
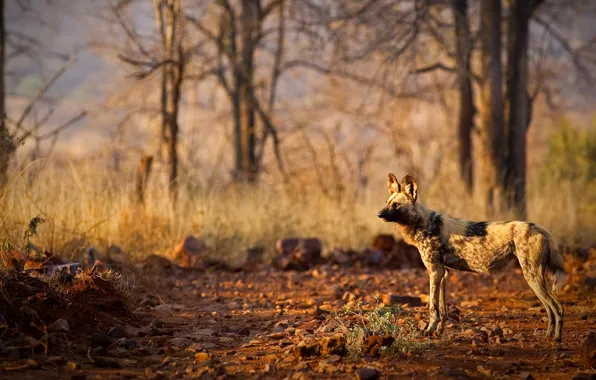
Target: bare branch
point(344, 74)
point(43, 90)
point(573, 54)
point(56, 131)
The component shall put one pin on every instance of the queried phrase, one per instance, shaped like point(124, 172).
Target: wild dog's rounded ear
point(408, 183)
point(393, 184)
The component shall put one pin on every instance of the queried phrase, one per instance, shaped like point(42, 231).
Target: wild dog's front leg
point(436, 274)
point(443, 302)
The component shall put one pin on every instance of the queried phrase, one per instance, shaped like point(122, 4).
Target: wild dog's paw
point(432, 327)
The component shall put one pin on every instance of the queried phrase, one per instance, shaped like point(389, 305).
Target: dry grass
point(82, 201)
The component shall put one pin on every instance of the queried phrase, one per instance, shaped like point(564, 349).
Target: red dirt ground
point(231, 317)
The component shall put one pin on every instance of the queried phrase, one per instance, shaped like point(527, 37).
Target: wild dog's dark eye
point(396, 205)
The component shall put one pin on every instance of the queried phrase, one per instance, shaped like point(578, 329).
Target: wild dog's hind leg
point(532, 252)
point(436, 274)
point(443, 302)
point(535, 278)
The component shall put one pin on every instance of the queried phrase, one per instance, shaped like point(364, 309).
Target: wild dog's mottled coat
point(482, 247)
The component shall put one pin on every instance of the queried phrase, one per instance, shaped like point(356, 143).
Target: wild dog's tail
point(555, 263)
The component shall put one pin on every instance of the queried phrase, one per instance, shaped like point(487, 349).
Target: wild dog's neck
point(416, 224)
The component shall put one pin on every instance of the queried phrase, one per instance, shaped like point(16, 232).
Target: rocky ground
point(330, 321)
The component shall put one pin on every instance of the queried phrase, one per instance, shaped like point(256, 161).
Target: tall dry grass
point(80, 200)
point(86, 201)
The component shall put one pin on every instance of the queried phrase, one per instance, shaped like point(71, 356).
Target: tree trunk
point(492, 106)
point(176, 76)
point(518, 103)
point(169, 22)
point(143, 173)
point(466, 95)
point(6, 144)
point(250, 24)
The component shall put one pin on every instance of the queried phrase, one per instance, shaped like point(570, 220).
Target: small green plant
point(381, 320)
point(31, 231)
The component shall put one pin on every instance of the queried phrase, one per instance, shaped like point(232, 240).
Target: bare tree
point(169, 57)
point(237, 37)
point(463, 52)
point(7, 146)
point(518, 99)
point(492, 131)
point(170, 24)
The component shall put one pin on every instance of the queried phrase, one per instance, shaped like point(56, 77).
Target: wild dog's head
point(402, 198)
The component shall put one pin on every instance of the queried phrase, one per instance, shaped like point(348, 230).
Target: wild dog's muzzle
point(384, 213)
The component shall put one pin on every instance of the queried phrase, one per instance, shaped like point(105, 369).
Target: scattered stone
point(101, 340)
point(168, 360)
point(180, 342)
point(526, 376)
point(60, 325)
point(73, 366)
point(481, 335)
point(250, 260)
point(128, 343)
point(166, 309)
point(422, 324)
point(589, 351)
point(373, 344)
point(507, 331)
point(335, 345)
point(286, 246)
point(297, 254)
point(56, 360)
point(101, 362)
point(518, 337)
point(189, 252)
point(244, 331)
point(276, 336)
point(338, 256)
point(392, 299)
point(497, 331)
point(485, 371)
point(117, 332)
point(367, 373)
point(383, 243)
point(280, 326)
point(326, 328)
point(306, 348)
point(373, 258)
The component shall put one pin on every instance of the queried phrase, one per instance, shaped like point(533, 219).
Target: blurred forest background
point(137, 122)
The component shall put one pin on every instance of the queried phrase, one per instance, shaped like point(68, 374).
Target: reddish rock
point(367, 374)
point(383, 243)
point(298, 254)
point(287, 245)
point(189, 252)
point(159, 265)
point(373, 344)
point(373, 257)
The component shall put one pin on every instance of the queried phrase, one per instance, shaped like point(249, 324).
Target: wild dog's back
point(479, 247)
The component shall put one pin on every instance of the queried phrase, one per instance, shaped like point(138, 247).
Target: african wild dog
point(482, 247)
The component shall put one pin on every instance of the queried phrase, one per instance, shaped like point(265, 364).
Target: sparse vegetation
point(384, 321)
